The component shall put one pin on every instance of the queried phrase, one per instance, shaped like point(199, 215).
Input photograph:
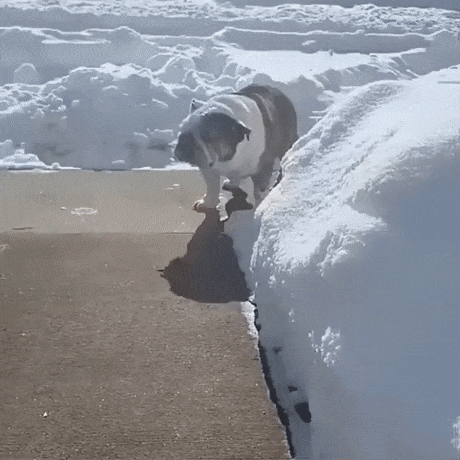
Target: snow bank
point(107, 117)
point(356, 270)
point(104, 99)
point(195, 18)
point(447, 4)
point(13, 158)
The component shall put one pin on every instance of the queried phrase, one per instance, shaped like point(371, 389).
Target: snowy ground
point(354, 258)
point(105, 84)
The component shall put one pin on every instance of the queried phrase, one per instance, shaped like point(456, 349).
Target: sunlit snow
point(360, 240)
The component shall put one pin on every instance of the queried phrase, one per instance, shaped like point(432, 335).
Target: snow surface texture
point(356, 269)
point(105, 85)
point(447, 4)
point(354, 257)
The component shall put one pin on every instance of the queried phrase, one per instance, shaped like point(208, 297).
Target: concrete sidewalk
point(99, 358)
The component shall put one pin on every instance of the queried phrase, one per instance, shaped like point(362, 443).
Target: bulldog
point(237, 135)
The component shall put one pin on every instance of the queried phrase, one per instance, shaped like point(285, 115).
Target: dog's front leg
point(211, 199)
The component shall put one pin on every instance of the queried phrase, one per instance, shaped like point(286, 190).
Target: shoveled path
point(100, 359)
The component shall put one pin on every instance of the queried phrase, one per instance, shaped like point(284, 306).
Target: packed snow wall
point(354, 259)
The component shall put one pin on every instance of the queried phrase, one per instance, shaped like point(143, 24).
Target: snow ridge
point(358, 245)
point(57, 84)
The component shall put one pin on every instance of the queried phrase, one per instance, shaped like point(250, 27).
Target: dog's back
point(280, 121)
point(279, 115)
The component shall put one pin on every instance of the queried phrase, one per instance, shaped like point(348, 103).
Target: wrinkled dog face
point(209, 137)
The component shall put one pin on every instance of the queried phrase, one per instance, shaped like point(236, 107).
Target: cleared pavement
point(99, 358)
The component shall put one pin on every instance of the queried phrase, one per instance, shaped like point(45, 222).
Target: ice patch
point(84, 211)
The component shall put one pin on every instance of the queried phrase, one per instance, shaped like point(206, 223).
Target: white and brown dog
point(237, 135)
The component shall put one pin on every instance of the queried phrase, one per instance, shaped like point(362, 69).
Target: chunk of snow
point(20, 160)
point(175, 69)
point(456, 429)
point(27, 73)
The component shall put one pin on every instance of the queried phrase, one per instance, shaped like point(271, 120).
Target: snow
point(95, 80)
point(456, 429)
point(354, 257)
point(448, 4)
point(356, 265)
point(26, 73)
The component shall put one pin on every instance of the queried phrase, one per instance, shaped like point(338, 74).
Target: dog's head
point(209, 135)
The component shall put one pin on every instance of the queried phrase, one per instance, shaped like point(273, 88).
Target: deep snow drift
point(356, 269)
point(354, 257)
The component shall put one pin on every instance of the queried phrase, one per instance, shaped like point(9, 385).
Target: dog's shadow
point(209, 271)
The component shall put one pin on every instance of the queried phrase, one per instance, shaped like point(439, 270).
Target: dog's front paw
point(200, 206)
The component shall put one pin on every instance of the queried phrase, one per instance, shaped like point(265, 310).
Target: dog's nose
point(211, 164)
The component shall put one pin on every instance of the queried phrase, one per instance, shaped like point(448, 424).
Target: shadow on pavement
point(209, 272)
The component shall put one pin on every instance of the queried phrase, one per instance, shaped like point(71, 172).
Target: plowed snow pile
point(356, 269)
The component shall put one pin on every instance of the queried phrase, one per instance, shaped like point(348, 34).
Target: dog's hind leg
point(262, 178)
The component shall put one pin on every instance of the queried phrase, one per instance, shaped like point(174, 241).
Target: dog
point(237, 135)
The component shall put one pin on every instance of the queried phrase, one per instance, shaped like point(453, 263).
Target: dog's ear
point(195, 104)
point(245, 131)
